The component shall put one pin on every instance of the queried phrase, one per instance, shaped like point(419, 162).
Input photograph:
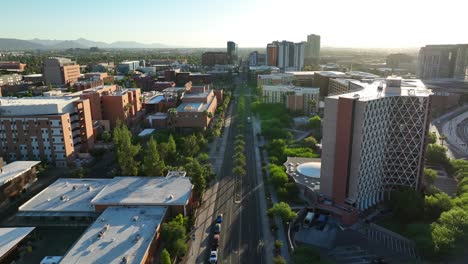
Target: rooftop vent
point(64, 198)
point(89, 188)
point(135, 218)
point(137, 237)
point(74, 187)
point(124, 260)
point(170, 197)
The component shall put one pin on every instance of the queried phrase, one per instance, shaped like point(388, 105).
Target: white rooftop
point(120, 232)
point(15, 169)
point(13, 101)
point(66, 195)
point(146, 132)
point(379, 88)
point(170, 190)
point(298, 90)
point(10, 237)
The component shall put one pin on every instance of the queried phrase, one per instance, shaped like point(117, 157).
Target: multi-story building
point(257, 59)
point(46, 128)
point(232, 52)
point(16, 177)
point(197, 108)
point(127, 66)
point(312, 49)
point(272, 54)
point(288, 56)
point(322, 79)
point(12, 66)
point(102, 67)
point(60, 71)
point(10, 79)
point(374, 141)
point(303, 78)
point(275, 79)
point(213, 58)
point(302, 99)
point(87, 84)
point(109, 104)
point(443, 61)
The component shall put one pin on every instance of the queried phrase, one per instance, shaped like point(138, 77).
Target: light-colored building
point(10, 239)
point(312, 48)
point(120, 235)
point(60, 71)
point(443, 61)
point(374, 141)
point(299, 55)
point(174, 191)
point(45, 128)
point(127, 66)
point(302, 99)
point(10, 79)
point(275, 79)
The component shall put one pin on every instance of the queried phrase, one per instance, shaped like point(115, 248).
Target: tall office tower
point(286, 55)
point(45, 128)
point(374, 141)
point(312, 49)
point(443, 61)
point(60, 71)
point(256, 59)
point(272, 54)
point(299, 50)
point(232, 52)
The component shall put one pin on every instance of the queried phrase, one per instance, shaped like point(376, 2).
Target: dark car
point(219, 219)
point(217, 228)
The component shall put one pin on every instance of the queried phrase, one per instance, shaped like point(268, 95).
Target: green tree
point(278, 176)
point(106, 136)
point(165, 257)
point(126, 151)
point(197, 174)
point(436, 204)
point(310, 142)
point(432, 138)
point(430, 175)
point(152, 163)
point(282, 210)
point(315, 122)
point(279, 260)
point(191, 146)
point(436, 154)
point(407, 204)
point(173, 234)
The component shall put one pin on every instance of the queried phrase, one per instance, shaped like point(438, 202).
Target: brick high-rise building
point(52, 129)
point(213, 58)
point(12, 66)
point(272, 54)
point(60, 71)
point(374, 141)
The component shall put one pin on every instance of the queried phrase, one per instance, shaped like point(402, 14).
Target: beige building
point(45, 128)
point(60, 71)
point(303, 99)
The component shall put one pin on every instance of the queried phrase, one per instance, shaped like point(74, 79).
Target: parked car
point(216, 239)
point(213, 256)
point(219, 219)
point(217, 228)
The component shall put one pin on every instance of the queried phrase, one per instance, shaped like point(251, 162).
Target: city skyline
point(345, 24)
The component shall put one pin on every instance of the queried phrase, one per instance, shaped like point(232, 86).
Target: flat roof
point(331, 73)
point(118, 233)
point(155, 99)
point(304, 171)
point(11, 236)
point(33, 75)
point(66, 195)
point(379, 88)
point(8, 101)
point(191, 107)
point(197, 95)
point(302, 72)
point(15, 169)
point(292, 88)
point(146, 132)
point(145, 191)
point(158, 115)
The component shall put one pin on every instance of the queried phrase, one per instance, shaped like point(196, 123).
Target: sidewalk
point(279, 223)
point(204, 214)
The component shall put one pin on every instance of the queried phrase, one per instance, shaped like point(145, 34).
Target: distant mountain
point(81, 43)
point(68, 44)
point(46, 42)
point(136, 45)
point(18, 44)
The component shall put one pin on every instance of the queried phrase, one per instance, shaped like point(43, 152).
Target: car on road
point(219, 219)
point(213, 256)
point(217, 228)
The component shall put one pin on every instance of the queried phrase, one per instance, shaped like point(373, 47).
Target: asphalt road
point(241, 231)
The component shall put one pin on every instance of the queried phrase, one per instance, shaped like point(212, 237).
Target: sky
point(250, 23)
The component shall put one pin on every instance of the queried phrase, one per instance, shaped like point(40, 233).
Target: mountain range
point(53, 44)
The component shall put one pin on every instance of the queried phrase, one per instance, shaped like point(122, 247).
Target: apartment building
point(301, 99)
point(60, 71)
point(12, 66)
point(374, 141)
point(46, 128)
point(443, 61)
point(213, 58)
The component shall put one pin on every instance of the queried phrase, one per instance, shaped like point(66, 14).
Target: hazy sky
point(250, 23)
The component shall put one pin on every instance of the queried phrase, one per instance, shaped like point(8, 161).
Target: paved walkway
point(205, 213)
point(281, 232)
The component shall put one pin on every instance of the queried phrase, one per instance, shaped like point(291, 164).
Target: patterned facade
point(383, 136)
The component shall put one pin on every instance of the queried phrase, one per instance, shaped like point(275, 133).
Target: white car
point(214, 256)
